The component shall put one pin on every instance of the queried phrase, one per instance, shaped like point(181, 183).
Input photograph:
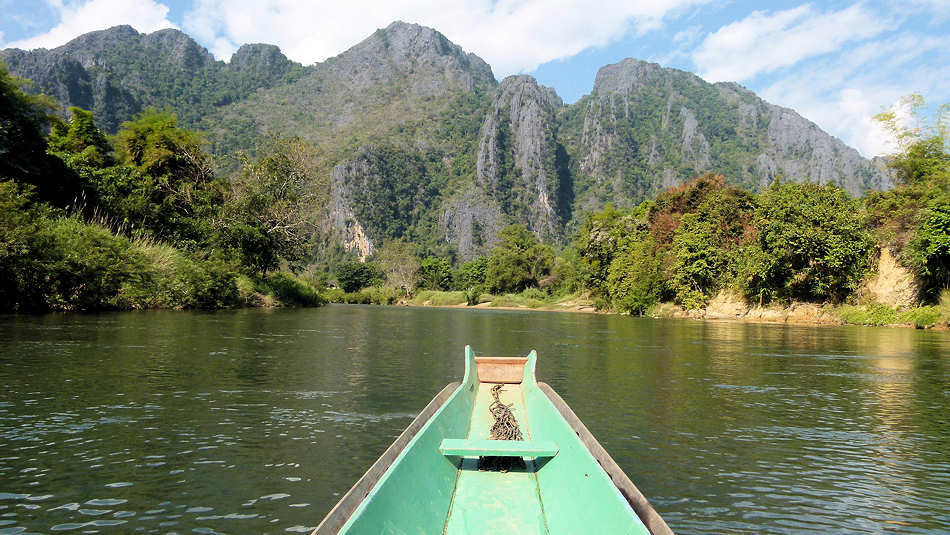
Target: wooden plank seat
point(497, 448)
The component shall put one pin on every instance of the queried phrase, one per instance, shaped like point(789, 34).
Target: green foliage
point(291, 290)
point(518, 262)
point(599, 241)
point(79, 141)
point(634, 277)
point(435, 273)
point(439, 298)
point(471, 274)
point(24, 244)
point(812, 244)
point(373, 295)
point(398, 199)
point(354, 276)
point(88, 266)
point(929, 250)
point(520, 300)
point(880, 314)
point(268, 215)
point(51, 262)
point(164, 184)
point(153, 143)
point(397, 261)
point(914, 217)
point(568, 274)
point(472, 294)
point(698, 262)
point(23, 157)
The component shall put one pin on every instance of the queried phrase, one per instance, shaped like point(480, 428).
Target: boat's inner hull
point(492, 501)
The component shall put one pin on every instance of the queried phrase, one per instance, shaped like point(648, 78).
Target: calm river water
point(256, 421)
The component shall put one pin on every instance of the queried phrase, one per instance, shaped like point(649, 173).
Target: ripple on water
point(106, 501)
point(94, 523)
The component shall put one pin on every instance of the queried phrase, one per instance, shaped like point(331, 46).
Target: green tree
point(599, 241)
point(912, 217)
point(698, 262)
point(435, 273)
point(706, 245)
point(24, 119)
point(79, 141)
point(23, 243)
point(923, 145)
point(929, 250)
point(634, 277)
point(812, 244)
point(398, 262)
point(270, 209)
point(354, 276)
point(471, 274)
point(518, 262)
point(568, 274)
point(165, 182)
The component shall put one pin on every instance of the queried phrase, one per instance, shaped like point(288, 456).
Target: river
point(256, 421)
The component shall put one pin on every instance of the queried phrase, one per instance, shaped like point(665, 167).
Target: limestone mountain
point(644, 128)
point(118, 72)
point(418, 141)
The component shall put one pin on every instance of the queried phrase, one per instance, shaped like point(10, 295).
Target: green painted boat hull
point(428, 481)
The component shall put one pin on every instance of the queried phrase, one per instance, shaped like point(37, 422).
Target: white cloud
point(843, 93)
point(764, 42)
point(78, 17)
point(511, 35)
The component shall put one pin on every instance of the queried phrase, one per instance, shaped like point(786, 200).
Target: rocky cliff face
point(432, 64)
point(517, 163)
point(118, 72)
point(645, 128)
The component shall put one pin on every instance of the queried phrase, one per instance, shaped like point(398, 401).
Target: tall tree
point(917, 211)
point(519, 261)
point(399, 264)
point(271, 208)
point(24, 119)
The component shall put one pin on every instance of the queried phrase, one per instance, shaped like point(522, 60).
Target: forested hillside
point(138, 172)
point(408, 111)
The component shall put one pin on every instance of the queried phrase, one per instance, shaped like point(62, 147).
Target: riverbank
point(568, 303)
point(723, 307)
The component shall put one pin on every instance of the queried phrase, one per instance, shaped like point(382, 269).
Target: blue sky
point(837, 63)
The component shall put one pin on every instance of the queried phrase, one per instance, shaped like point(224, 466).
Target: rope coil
point(504, 428)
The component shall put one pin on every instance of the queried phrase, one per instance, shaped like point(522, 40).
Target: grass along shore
point(723, 307)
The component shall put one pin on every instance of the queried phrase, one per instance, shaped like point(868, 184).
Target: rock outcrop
point(645, 128)
point(517, 154)
point(471, 221)
point(432, 64)
point(892, 284)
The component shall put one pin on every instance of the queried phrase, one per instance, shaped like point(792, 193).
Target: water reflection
point(253, 421)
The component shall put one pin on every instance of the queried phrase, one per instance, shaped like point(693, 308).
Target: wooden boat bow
point(430, 480)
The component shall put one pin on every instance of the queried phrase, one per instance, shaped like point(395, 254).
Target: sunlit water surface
point(257, 421)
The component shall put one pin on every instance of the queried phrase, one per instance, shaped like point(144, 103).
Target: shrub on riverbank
point(879, 314)
point(66, 263)
point(371, 295)
point(437, 298)
point(278, 289)
point(172, 278)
